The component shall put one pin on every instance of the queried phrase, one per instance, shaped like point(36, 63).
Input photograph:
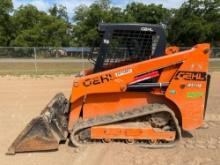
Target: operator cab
point(123, 44)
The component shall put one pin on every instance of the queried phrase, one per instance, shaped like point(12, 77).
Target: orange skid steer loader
point(137, 92)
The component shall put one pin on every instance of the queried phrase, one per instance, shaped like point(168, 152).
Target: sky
point(71, 4)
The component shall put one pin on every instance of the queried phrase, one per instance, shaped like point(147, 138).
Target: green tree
point(54, 32)
point(59, 12)
point(196, 21)
point(37, 28)
point(104, 4)
point(87, 18)
point(26, 19)
point(6, 7)
point(151, 13)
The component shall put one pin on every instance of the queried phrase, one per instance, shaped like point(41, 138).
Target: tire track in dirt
point(212, 117)
point(206, 137)
point(92, 154)
point(202, 143)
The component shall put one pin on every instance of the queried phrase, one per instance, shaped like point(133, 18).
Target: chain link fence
point(30, 60)
point(43, 53)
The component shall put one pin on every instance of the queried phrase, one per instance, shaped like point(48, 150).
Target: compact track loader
point(137, 92)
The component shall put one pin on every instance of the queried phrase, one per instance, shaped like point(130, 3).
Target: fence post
point(35, 60)
point(83, 65)
point(212, 52)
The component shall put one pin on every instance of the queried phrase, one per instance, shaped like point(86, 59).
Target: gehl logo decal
point(97, 80)
point(184, 75)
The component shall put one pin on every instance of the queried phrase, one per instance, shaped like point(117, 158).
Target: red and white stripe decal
point(145, 76)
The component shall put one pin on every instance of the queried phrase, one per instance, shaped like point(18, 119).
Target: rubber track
point(125, 115)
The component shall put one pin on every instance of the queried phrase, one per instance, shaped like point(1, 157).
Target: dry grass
point(214, 65)
point(45, 68)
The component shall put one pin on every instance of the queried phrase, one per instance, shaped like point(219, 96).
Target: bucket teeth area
point(37, 136)
point(45, 131)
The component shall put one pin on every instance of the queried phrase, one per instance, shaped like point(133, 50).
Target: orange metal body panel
point(168, 73)
point(75, 110)
point(108, 103)
point(190, 95)
point(118, 132)
point(105, 92)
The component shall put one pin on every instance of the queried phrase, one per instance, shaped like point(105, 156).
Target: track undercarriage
point(153, 125)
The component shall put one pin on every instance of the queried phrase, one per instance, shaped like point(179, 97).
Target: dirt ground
point(22, 98)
